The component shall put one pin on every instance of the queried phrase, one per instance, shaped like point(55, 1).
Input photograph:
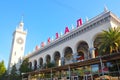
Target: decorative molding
point(91, 24)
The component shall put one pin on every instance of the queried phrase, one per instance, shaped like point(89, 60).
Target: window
point(15, 54)
point(21, 48)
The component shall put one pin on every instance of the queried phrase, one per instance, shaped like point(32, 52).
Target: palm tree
point(109, 41)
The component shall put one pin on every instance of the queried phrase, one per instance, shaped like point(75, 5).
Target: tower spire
point(21, 24)
point(18, 46)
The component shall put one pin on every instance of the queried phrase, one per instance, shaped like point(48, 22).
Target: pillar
point(62, 61)
point(92, 52)
point(74, 57)
point(29, 77)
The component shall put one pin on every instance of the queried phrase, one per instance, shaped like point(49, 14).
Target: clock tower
point(18, 47)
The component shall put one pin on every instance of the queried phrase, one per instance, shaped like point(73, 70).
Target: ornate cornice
point(92, 23)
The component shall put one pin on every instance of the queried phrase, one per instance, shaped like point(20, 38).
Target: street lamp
point(101, 65)
point(22, 75)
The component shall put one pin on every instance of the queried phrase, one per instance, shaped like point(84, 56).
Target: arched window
point(57, 58)
point(82, 51)
point(41, 62)
point(97, 42)
point(68, 55)
point(48, 59)
point(35, 65)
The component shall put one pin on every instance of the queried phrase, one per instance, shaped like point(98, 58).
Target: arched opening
point(35, 65)
point(57, 58)
point(96, 52)
point(82, 51)
point(68, 55)
point(48, 59)
point(97, 42)
point(80, 55)
point(41, 62)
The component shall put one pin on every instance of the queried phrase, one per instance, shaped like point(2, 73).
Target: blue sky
point(43, 18)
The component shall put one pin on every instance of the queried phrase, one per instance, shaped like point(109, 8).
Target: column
point(62, 61)
point(29, 77)
point(74, 57)
point(91, 48)
point(51, 74)
point(69, 72)
point(92, 52)
point(32, 65)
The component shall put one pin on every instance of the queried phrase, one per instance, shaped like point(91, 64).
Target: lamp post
point(22, 75)
point(101, 66)
point(51, 74)
point(69, 72)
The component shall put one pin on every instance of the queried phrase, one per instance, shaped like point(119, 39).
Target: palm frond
point(110, 40)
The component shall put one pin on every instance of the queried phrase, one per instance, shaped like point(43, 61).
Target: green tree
point(14, 74)
point(25, 66)
point(14, 70)
point(50, 65)
point(110, 41)
point(2, 70)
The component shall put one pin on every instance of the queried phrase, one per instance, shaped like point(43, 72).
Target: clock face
point(19, 40)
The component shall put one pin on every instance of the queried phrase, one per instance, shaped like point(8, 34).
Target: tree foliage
point(14, 70)
point(110, 41)
point(2, 69)
point(25, 66)
point(50, 65)
point(14, 74)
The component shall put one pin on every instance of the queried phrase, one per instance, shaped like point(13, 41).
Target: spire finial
point(72, 26)
point(21, 24)
point(105, 8)
point(87, 19)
